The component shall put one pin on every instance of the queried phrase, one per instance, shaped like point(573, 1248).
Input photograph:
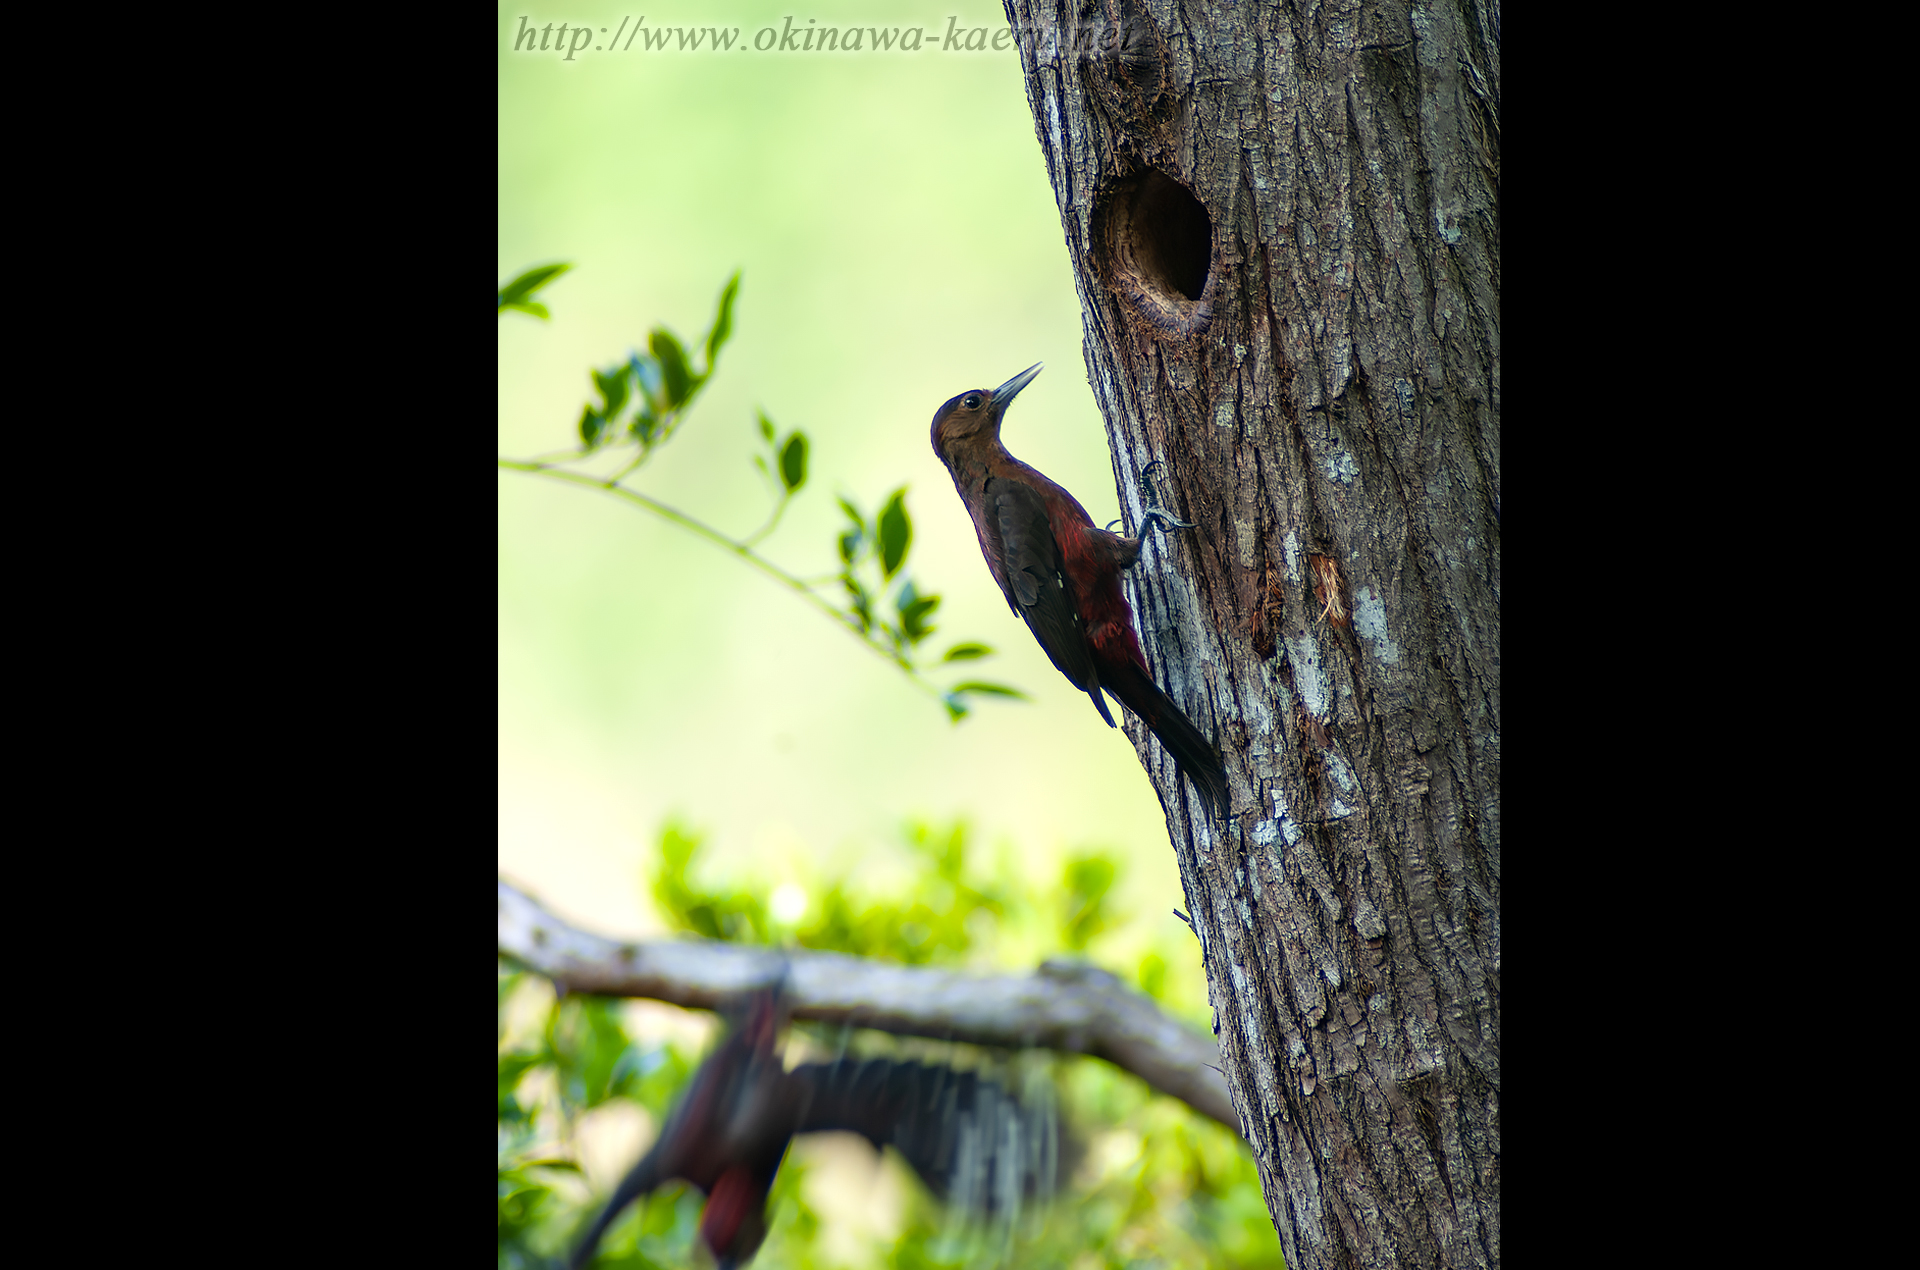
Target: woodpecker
point(972, 1144)
point(1061, 575)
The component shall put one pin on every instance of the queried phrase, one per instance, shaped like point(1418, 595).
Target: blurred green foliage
point(659, 384)
point(1086, 881)
point(517, 295)
point(1157, 1185)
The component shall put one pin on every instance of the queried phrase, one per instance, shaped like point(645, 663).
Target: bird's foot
point(1153, 513)
point(1165, 519)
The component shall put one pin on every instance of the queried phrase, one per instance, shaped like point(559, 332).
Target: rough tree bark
point(1284, 226)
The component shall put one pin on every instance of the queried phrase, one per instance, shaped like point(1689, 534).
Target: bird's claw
point(1166, 519)
point(1152, 513)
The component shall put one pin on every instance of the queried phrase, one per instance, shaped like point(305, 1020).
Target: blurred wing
point(644, 1178)
point(739, 1083)
point(973, 1144)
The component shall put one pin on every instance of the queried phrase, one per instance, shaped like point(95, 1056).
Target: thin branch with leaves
point(642, 402)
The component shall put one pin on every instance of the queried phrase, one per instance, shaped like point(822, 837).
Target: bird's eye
point(971, 401)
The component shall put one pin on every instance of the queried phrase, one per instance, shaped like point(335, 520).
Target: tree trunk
point(1284, 225)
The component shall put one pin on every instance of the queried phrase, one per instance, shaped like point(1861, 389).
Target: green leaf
point(956, 708)
point(592, 423)
point(793, 462)
point(991, 690)
point(513, 1066)
point(613, 386)
point(522, 1203)
point(589, 1045)
point(895, 533)
point(552, 1162)
point(850, 540)
point(766, 427)
point(723, 324)
point(645, 422)
point(646, 373)
point(914, 609)
point(967, 652)
point(914, 620)
point(514, 294)
point(678, 376)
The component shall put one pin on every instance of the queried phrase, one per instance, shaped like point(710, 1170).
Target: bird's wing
point(973, 1144)
point(1035, 569)
point(645, 1176)
point(740, 1081)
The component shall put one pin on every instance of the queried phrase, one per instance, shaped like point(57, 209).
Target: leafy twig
point(643, 401)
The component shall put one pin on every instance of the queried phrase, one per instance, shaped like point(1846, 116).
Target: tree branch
point(1064, 1006)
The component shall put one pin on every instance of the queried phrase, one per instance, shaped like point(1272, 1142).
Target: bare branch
point(1064, 1006)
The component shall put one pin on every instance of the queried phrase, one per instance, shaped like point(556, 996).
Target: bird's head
point(977, 412)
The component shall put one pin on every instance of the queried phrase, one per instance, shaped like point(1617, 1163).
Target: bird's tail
point(1193, 752)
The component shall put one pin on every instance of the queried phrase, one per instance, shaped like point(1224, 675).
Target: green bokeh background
point(899, 243)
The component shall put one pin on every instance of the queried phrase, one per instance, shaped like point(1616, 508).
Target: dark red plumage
point(1061, 574)
point(969, 1142)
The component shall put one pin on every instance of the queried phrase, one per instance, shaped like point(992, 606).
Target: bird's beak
point(1003, 395)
